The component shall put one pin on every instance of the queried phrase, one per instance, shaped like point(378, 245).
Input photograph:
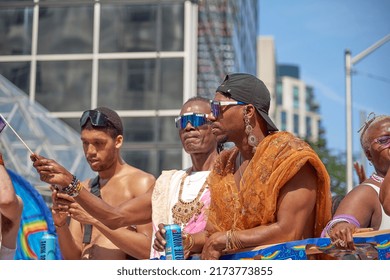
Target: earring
point(252, 139)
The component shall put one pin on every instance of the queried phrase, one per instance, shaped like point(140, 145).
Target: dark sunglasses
point(382, 141)
point(195, 119)
point(216, 106)
point(97, 118)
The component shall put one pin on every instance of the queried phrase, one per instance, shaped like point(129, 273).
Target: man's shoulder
point(135, 173)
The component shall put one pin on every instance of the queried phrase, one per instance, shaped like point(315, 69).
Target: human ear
point(119, 141)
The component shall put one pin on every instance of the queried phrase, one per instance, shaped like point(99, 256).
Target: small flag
point(2, 123)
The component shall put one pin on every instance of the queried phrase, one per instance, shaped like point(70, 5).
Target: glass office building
point(140, 58)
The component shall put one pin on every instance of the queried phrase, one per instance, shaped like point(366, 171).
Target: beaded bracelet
point(1, 160)
point(74, 188)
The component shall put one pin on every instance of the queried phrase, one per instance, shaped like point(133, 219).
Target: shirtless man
point(11, 207)
point(85, 237)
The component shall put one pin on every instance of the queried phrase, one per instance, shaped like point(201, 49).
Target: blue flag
point(36, 220)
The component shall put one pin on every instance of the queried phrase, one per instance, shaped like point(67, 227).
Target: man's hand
point(59, 214)
point(79, 214)
point(214, 246)
point(51, 172)
point(159, 241)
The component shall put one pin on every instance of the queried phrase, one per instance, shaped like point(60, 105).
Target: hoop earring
point(252, 139)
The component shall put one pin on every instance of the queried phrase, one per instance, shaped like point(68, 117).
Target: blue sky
point(314, 34)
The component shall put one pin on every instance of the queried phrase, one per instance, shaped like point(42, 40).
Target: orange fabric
point(278, 158)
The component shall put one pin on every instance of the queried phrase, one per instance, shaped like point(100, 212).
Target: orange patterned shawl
point(278, 158)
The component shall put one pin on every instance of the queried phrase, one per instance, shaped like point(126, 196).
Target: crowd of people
point(269, 187)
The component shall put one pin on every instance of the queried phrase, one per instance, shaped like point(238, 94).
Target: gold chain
point(183, 211)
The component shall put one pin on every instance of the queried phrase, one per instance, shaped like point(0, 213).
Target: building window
point(279, 93)
point(283, 117)
point(309, 132)
point(296, 97)
point(296, 124)
point(309, 98)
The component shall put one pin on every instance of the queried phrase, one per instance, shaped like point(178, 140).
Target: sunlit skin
point(201, 145)
point(11, 207)
point(295, 210)
point(363, 202)
point(119, 183)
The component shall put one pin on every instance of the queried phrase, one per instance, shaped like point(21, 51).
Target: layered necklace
point(377, 178)
point(183, 211)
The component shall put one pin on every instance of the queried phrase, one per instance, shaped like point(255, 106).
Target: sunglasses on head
point(382, 141)
point(97, 118)
point(216, 106)
point(195, 119)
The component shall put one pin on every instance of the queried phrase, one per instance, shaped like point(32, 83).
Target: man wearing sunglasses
point(182, 196)
point(85, 237)
point(198, 141)
point(361, 208)
point(271, 187)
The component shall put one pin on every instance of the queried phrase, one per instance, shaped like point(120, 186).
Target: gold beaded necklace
point(183, 211)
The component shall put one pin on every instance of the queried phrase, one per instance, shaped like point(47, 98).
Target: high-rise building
point(293, 105)
point(298, 112)
point(143, 58)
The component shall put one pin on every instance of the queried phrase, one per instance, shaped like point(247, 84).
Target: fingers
point(34, 157)
point(159, 241)
point(161, 227)
point(342, 236)
point(65, 198)
point(359, 230)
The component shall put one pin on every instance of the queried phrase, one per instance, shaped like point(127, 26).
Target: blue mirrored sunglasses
point(216, 106)
point(195, 119)
point(97, 118)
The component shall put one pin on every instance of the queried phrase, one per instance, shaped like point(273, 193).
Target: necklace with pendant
point(183, 211)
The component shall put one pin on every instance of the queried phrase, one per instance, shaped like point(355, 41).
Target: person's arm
point(357, 209)
point(296, 203)
point(69, 236)
point(384, 194)
point(131, 212)
point(135, 243)
point(11, 207)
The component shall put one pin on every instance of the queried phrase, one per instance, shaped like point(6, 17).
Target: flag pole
point(17, 135)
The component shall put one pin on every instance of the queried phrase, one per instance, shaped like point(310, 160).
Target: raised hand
point(51, 172)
